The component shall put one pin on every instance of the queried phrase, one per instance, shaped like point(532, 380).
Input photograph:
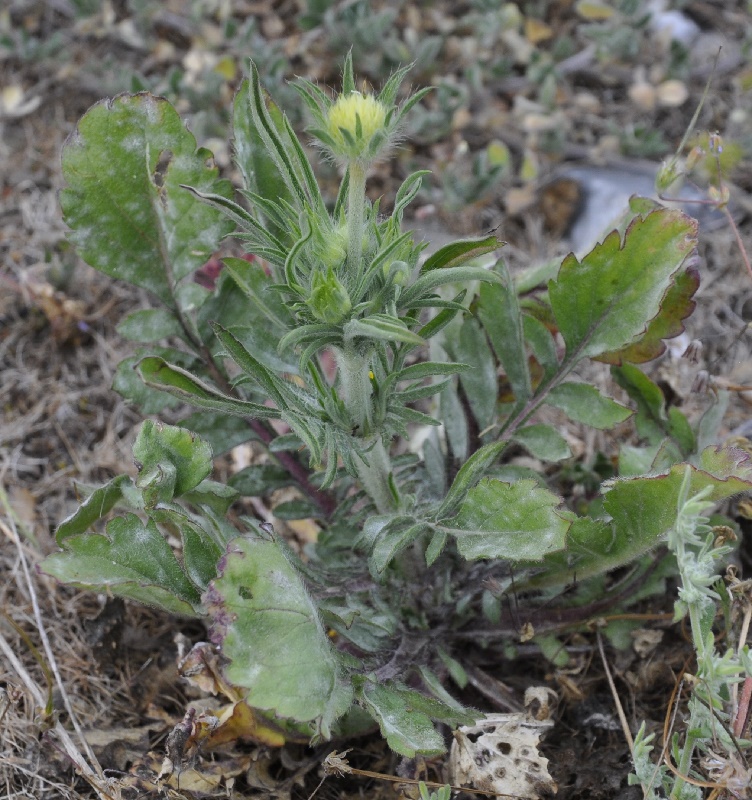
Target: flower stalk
point(356, 202)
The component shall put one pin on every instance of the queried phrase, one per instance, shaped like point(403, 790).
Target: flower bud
point(329, 300)
point(354, 123)
point(331, 247)
point(693, 351)
point(695, 156)
point(667, 176)
point(398, 271)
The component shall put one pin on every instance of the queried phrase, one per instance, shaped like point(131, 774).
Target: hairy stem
point(354, 369)
point(355, 386)
point(356, 205)
point(375, 477)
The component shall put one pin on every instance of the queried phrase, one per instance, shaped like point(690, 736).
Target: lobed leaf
point(677, 304)
point(171, 461)
point(133, 560)
point(642, 510)
point(607, 301)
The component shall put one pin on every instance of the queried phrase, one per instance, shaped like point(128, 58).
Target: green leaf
point(391, 541)
point(150, 325)
point(222, 432)
point(457, 253)
point(128, 384)
point(452, 415)
point(254, 283)
point(435, 464)
point(469, 474)
point(635, 461)
point(212, 494)
point(170, 461)
point(418, 391)
point(652, 421)
point(427, 369)
point(642, 510)
point(582, 402)
point(499, 312)
point(269, 630)
point(455, 669)
point(443, 318)
point(677, 304)
point(543, 441)
point(270, 384)
point(481, 383)
point(97, 505)
point(133, 560)
point(201, 551)
point(297, 509)
point(433, 684)
point(123, 166)
point(230, 307)
point(542, 344)
point(436, 546)
point(407, 730)
point(260, 174)
point(429, 281)
point(260, 479)
point(607, 300)
point(515, 522)
point(282, 147)
point(158, 374)
point(384, 327)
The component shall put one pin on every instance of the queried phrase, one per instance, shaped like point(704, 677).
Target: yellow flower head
point(354, 120)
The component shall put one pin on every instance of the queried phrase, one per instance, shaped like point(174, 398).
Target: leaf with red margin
point(676, 306)
point(606, 301)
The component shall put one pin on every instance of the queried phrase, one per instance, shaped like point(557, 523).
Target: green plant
point(339, 342)
point(697, 547)
point(444, 793)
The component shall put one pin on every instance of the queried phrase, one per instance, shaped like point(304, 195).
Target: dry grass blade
point(80, 755)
